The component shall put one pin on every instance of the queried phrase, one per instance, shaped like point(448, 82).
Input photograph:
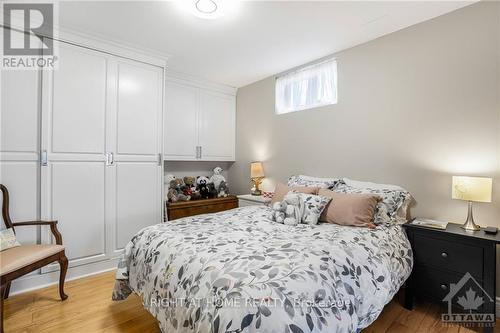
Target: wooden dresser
point(177, 210)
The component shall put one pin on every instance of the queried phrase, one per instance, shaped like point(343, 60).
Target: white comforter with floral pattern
point(237, 271)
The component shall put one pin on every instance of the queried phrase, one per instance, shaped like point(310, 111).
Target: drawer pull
point(444, 255)
point(444, 287)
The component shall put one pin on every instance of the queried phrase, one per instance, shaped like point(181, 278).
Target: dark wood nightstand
point(450, 262)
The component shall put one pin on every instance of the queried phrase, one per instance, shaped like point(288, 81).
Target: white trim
point(38, 281)
point(191, 80)
point(101, 43)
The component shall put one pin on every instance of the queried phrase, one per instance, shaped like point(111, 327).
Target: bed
point(237, 271)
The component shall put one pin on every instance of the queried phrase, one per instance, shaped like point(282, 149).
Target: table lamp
point(471, 189)
point(256, 174)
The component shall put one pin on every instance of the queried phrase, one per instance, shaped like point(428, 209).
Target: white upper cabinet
point(217, 126)
point(199, 123)
point(181, 129)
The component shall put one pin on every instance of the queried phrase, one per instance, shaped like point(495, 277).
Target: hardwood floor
point(89, 309)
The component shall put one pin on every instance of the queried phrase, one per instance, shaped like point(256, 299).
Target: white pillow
point(395, 203)
point(375, 186)
point(8, 239)
point(302, 180)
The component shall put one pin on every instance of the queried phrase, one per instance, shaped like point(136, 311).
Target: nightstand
point(252, 200)
point(455, 268)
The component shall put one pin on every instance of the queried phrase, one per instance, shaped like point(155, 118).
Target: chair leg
point(2, 289)
point(63, 263)
point(6, 291)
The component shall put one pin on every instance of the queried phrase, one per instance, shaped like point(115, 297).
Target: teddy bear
point(223, 190)
point(217, 178)
point(175, 191)
point(212, 191)
point(202, 186)
point(190, 182)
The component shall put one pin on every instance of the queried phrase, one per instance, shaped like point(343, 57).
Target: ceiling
point(254, 40)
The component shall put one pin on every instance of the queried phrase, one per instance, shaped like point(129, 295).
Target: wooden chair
point(18, 261)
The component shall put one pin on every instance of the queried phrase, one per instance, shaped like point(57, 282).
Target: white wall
point(415, 107)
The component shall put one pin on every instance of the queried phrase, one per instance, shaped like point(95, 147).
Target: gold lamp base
point(255, 189)
point(469, 224)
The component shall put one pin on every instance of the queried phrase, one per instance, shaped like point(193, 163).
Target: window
point(307, 87)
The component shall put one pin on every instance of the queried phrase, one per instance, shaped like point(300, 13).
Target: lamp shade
point(256, 170)
point(471, 188)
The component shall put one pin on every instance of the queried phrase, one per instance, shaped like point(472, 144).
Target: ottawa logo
point(469, 304)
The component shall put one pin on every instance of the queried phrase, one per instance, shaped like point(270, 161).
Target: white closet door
point(181, 123)
point(74, 106)
point(217, 126)
point(138, 145)
point(20, 144)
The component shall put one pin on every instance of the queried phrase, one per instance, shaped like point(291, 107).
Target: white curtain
point(307, 88)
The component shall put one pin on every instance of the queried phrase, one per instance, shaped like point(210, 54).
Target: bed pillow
point(8, 239)
point(281, 190)
point(301, 180)
point(394, 200)
point(354, 209)
point(313, 207)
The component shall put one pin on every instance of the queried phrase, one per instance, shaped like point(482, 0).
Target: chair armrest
point(52, 224)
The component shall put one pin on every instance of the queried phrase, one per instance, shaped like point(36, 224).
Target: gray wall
point(415, 107)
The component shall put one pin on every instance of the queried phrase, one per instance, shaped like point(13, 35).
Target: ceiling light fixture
point(206, 6)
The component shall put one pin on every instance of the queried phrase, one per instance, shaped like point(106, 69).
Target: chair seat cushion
point(18, 257)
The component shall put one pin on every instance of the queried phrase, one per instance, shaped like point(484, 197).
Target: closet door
point(73, 139)
point(181, 122)
point(217, 126)
point(136, 140)
point(20, 145)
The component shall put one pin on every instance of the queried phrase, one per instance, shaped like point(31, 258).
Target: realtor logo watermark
point(466, 303)
point(28, 36)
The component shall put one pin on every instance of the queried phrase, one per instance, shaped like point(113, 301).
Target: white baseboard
point(41, 280)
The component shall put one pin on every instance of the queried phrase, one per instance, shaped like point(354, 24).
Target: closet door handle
point(43, 158)
point(109, 159)
point(160, 160)
point(200, 151)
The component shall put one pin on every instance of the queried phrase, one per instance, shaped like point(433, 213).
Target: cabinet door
point(137, 141)
point(74, 104)
point(217, 126)
point(180, 126)
point(19, 145)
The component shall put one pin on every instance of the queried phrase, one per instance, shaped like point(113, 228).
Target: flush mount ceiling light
point(206, 6)
point(210, 9)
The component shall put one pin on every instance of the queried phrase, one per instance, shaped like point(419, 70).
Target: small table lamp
point(471, 189)
point(256, 174)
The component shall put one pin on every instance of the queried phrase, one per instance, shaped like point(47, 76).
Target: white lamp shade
point(471, 188)
point(256, 170)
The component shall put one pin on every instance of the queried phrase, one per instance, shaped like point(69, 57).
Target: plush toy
point(279, 209)
point(289, 211)
point(212, 191)
point(202, 186)
point(294, 209)
point(223, 190)
point(175, 191)
point(217, 177)
point(191, 183)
